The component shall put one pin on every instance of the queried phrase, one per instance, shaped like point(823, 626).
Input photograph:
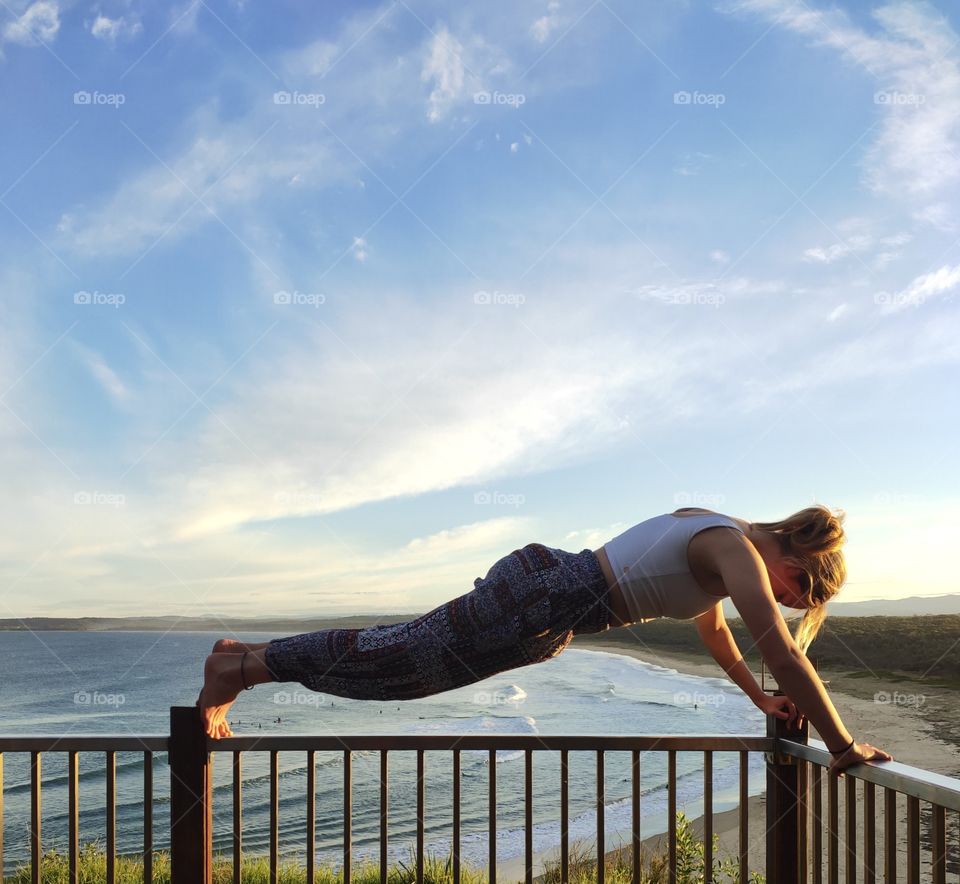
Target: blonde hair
point(812, 539)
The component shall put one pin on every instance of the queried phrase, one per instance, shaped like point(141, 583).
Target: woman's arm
point(719, 641)
point(724, 650)
point(745, 578)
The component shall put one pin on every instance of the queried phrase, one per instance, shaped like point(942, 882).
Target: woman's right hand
point(855, 754)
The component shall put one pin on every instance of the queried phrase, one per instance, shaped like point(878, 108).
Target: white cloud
point(708, 292)
point(39, 23)
point(858, 238)
point(719, 256)
point(227, 170)
point(105, 376)
point(443, 68)
point(829, 254)
point(837, 312)
point(692, 162)
point(360, 249)
point(544, 26)
point(915, 65)
point(112, 29)
point(921, 290)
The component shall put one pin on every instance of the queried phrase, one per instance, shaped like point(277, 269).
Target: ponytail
point(812, 539)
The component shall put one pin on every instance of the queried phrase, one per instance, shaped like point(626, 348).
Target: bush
point(618, 867)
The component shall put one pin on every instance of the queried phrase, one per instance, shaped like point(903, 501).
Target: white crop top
point(649, 562)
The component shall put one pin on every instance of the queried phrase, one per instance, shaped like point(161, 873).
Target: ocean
point(124, 683)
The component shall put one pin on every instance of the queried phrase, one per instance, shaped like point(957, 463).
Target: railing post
point(784, 818)
point(191, 798)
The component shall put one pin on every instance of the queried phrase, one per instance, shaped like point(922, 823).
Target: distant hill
point(225, 625)
point(914, 605)
point(908, 607)
point(917, 605)
point(925, 645)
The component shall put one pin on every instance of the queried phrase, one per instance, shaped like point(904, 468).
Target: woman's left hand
point(781, 706)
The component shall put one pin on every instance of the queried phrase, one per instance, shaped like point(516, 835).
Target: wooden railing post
point(191, 799)
point(784, 817)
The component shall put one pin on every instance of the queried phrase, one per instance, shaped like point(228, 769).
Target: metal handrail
point(902, 778)
point(788, 753)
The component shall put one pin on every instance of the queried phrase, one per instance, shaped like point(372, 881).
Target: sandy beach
point(906, 731)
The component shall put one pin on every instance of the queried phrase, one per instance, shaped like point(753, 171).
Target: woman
point(534, 600)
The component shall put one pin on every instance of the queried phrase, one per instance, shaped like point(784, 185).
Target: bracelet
point(242, 679)
point(845, 749)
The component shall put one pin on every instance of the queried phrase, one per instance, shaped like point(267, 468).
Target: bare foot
point(231, 646)
point(221, 685)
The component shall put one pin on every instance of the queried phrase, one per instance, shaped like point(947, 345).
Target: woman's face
point(789, 583)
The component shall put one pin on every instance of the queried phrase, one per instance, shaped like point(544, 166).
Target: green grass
point(256, 870)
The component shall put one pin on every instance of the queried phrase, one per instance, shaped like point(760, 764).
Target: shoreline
point(906, 732)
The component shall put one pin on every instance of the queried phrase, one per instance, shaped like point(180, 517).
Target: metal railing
point(794, 829)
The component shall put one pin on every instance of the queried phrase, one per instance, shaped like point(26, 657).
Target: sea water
point(123, 683)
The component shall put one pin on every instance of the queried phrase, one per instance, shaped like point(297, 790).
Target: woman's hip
point(551, 589)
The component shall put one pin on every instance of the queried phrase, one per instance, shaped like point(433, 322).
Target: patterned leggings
point(527, 609)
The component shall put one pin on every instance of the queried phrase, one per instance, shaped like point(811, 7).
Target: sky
point(321, 309)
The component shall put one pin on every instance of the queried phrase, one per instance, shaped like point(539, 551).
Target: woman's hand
point(855, 754)
point(781, 706)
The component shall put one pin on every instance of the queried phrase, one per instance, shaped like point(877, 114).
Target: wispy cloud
point(924, 288)
point(914, 62)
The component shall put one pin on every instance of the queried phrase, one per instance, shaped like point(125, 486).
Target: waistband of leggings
point(584, 564)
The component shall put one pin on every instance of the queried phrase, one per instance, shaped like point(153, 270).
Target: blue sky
point(324, 309)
